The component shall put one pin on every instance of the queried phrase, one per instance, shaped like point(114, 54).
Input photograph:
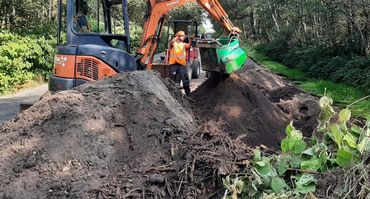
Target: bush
point(323, 62)
point(21, 57)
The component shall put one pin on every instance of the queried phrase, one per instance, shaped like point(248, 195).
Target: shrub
point(322, 62)
point(21, 57)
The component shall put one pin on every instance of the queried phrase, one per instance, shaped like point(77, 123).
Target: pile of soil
point(248, 114)
point(123, 137)
point(256, 106)
point(135, 136)
point(85, 142)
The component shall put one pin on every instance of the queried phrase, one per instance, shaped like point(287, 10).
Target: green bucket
point(231, 54)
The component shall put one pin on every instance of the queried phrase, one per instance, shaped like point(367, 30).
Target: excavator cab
point(93, 42)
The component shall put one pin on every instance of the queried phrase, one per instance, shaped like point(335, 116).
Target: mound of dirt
point(300, 107)
point(246, 111)
point(135, 136)
point(256, 105)
point(125, 137)
point(283, 93)
point(86, 142)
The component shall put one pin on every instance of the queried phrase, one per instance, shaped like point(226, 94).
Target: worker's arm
point(188, 45)
point(173, 41)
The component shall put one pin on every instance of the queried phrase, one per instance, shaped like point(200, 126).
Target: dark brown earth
point(134, 136)
point(256, 105)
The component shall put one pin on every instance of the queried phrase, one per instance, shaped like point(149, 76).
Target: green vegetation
point(314, 41)
point(23, 58)
point(295, 172)
point(342, 93)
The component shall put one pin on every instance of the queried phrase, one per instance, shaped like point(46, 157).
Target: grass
point(342, 94)
point(38, 80)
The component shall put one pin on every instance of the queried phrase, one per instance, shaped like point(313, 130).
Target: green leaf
point(344, 158)
point(261, 163)
point(325, 101)
point(283, 165)
point(344, 115)
point(364, 145)
point(350, 140)
point(257, 155)
point(266, 181)
point(285, 145)
point(289, 129)
point(306, 179)
point(265, 169)
point(299, 147)
point(295, 161)
point(313, 164)
point(356, 129)
point(337, 134)
point(291, 143)
point(293, 132)
point(323, 160)
point(296, 134)
point(306, 183)
point(309, 152)
point(310, 188)
point(277, 184)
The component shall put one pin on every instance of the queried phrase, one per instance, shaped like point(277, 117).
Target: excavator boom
point(158, 9)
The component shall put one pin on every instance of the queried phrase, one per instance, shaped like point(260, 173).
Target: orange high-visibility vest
point(178, 53)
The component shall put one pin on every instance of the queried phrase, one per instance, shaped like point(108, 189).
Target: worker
point(81, 18)
point(178, 54)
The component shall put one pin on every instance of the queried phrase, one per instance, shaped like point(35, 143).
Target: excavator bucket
point(231, 54)
point(223, 55)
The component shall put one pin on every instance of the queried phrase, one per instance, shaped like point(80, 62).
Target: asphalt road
point(9, 105)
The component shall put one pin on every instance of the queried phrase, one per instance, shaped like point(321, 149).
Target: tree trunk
point(50, 10)
point(274, 16)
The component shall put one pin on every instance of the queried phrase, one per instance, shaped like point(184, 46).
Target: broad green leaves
point(337, 134)
point(364, 145)
point(306, 183)
point(21, 57)
point(344, 158)
point(277, 184)
point(283, 165)
point(327, 112)
point(313, 164)
point(344, 115)
point(294, 170)
point(293, 142)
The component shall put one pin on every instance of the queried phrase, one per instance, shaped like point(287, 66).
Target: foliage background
point(328, 39)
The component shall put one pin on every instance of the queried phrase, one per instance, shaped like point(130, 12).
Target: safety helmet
point(180, 33)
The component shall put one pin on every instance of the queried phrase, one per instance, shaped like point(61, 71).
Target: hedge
point(22, 57)
point(332, 63)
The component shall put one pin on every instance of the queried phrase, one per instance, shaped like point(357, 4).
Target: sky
point(208, 25)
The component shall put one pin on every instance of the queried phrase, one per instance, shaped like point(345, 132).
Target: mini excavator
point(89, 48)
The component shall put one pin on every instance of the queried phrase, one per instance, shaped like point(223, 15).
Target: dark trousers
point(182, 71)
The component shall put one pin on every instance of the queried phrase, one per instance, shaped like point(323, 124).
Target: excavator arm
point(158, 9)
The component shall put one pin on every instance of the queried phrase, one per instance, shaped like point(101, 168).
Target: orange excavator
point(89, 49)
point(154, 19)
